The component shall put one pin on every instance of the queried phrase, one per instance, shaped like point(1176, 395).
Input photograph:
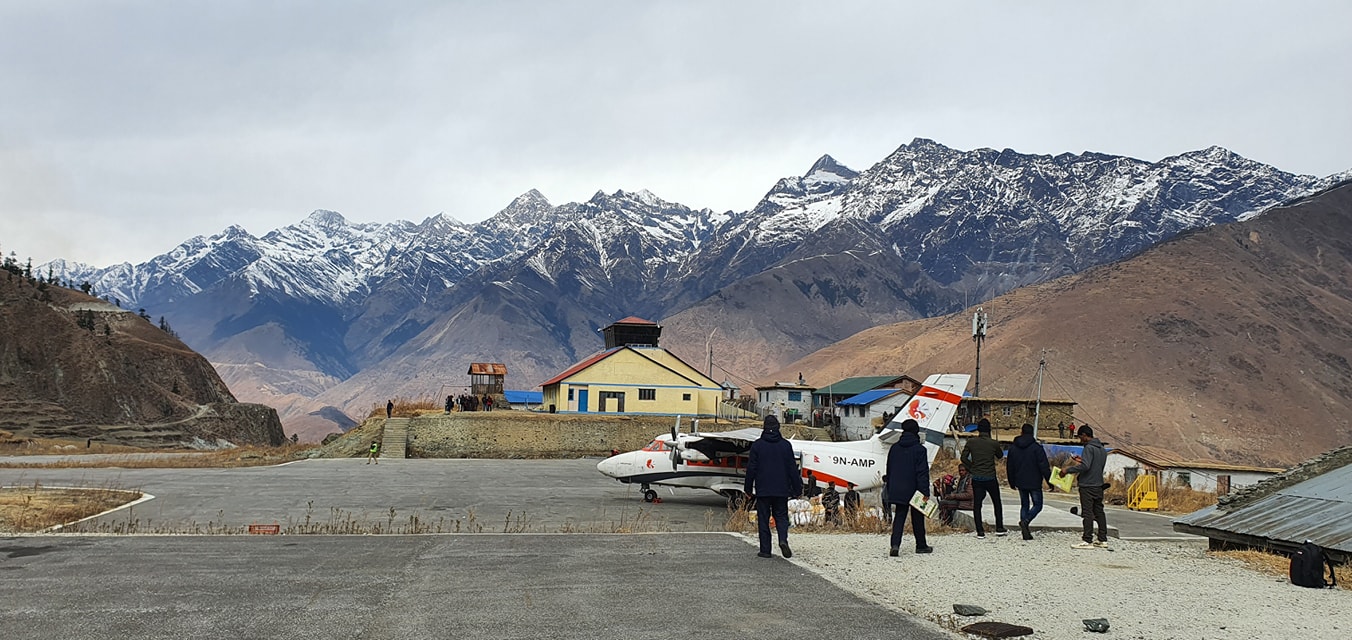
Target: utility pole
point(1037, 407)
point(979, 321)
point(709, 350)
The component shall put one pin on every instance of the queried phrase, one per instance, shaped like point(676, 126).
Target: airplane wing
point(715, 445)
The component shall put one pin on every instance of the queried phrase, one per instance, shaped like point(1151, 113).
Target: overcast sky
point(127, 127)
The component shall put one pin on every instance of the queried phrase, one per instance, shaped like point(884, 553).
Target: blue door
point(582, 400)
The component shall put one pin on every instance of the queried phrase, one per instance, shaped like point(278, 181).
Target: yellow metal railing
point(1144, 494)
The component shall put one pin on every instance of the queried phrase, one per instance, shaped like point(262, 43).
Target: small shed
point(859, 413)
point(789, 401)
point(524, 400)
point(1127, 462)
point(487, 378)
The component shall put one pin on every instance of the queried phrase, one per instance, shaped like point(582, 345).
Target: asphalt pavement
point(399, 496)
point(562, 587)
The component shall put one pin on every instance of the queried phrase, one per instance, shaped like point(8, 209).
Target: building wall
point(518, 434)
point(1012, 415)
point(626, 372)
point(856, 427)
point(1198, 479)
point(777, 401)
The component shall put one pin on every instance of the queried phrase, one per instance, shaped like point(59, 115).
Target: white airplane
point(717, 461)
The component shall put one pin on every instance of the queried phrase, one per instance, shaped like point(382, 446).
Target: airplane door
point(582, 400)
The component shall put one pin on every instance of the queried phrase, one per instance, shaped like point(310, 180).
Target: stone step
point(394, 441)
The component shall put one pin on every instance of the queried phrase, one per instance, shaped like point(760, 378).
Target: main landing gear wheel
point(649, 495)
point(737, 500)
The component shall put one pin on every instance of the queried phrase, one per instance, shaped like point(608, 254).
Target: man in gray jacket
point(1089, 466)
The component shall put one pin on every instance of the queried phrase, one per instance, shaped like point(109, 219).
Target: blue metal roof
point(524, 397)
point(1318, 509)
point(869, 397)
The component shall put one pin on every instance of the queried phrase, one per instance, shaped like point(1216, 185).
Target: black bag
point(1307, 567)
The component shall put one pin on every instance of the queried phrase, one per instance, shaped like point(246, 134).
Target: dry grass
point(866, 521)
point(246, 456)
point(35, 508)
point(1180, 499)
point(336, 521)
point(409, 407)
point(1276, 564)
point(1174, 498)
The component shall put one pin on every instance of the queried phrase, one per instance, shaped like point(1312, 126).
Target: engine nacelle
point(692, 455)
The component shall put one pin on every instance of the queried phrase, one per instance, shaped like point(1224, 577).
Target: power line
point(1068, 395)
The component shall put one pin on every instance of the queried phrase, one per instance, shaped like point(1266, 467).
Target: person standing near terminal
point(1089, 467)
point(907, 473)
point(772, 476)
point(389, 409)
point(980, 455)
point(1028, 469)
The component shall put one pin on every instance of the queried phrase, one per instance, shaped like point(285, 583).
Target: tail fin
point(933, 406)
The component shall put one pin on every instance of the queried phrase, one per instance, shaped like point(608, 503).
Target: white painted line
point(144, 497)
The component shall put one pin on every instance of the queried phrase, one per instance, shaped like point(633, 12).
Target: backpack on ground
point(1307, 567)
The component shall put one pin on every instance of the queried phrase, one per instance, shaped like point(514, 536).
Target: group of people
point(832, 501)
point(772, 475)
point(469, 402)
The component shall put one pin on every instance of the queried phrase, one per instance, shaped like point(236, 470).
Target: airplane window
point(655, 445)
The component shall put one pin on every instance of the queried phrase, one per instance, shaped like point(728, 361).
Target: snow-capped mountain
point(369, 308)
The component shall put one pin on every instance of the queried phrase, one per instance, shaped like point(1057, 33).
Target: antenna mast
point(979, 322)
point(1037, 407)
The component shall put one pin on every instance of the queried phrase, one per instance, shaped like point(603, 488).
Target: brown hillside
point(1229, 343)
point(123, 380)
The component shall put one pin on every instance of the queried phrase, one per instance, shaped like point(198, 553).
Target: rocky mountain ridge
point(76, 367)
point(1226, 343)
point(349, 314)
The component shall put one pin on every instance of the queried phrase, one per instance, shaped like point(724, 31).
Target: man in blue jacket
point(908, 472)
point(773, 477)
point(1028, 468)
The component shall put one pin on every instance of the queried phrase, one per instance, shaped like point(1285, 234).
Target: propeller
point(676, 443)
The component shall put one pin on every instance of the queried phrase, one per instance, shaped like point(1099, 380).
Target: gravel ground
point(1154, 590)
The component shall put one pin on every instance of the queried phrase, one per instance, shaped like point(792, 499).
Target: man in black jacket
point(1028, 469)
point(773, 477)
point(907, 473)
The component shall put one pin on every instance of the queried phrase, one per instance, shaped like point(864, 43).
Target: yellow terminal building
point(633, 376)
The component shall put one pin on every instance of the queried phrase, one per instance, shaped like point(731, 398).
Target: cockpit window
point(656, 445)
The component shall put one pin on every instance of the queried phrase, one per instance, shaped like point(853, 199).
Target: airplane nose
point(609, 467)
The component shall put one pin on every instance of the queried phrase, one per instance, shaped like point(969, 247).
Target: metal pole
point(1037, 408)
point(709, 348)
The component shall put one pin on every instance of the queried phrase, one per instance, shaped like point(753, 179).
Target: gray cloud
point(126, 127)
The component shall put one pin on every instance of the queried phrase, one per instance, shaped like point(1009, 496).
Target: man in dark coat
point(980, 455)
point(908, 472)
point(773, 477)
point(1028, 470)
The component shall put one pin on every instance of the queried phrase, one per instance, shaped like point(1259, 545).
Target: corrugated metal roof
point(1165, 459)
point(1318, 509)
point(487, 369)
point(634, 320)
point(524, 397)
point(868, 397)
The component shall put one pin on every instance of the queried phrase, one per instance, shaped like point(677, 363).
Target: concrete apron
point(1051, 518)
